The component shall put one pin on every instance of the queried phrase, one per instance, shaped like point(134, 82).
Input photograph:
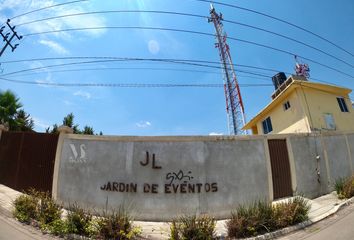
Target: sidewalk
point(321, 208)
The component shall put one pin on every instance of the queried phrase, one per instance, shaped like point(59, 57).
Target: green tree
point(69, 121)
point(87, 130)
point(53, 130)
point(9, 105)
point(23, 121)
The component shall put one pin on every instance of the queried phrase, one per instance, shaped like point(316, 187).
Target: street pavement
point(339, 226)
point(10, 229)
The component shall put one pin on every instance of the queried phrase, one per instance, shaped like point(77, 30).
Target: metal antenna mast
point(234, 105)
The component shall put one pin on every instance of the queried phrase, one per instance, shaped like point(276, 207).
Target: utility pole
point(7, 39)
point(234, 105)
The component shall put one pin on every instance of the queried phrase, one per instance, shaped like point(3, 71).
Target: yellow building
point(300, 106)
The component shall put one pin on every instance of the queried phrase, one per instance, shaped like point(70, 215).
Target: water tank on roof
point(278, 79)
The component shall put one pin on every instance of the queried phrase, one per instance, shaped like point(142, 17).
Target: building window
point(342, 105)
point(330, 124)
point(286, 105)
point(267, 125)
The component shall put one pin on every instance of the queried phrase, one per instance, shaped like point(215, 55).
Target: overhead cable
point(192, 32)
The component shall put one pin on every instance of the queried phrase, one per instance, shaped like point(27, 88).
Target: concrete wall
point(160, 178)
point(310, 166)
point(222, 169)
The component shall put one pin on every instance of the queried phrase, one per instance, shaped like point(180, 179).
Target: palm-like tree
point(23, 121)
point(9, 105)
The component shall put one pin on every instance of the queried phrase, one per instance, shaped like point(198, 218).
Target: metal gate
point(27, 160)
point(281, 175)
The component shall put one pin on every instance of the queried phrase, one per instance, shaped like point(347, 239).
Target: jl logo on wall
point(76, 158)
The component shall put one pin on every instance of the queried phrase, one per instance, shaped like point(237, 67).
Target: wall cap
point(65, 130)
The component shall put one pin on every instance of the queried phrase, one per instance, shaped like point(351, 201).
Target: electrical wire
point(131, 85)
point(184, 62)
point(127, 59)
point(188, 15)
point(280, 20)
point(48, 7)
point(192, 32)
point(142, 68)
point(138, 59)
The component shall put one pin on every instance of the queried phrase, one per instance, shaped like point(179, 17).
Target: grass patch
point(339, 187)
point(193, 227)
point(262, 217)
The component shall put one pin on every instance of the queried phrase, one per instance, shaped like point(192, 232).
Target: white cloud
point(154, 47)
point(45, 82)
point(17, 7)
point(68, 103)
point(143, 124)
point(40, 124)
point(83, 94)
point(215, 134)
point(56, 47)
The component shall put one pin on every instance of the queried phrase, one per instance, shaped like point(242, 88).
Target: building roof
point(292, 83)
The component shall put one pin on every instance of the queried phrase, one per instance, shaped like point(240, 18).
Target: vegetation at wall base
point(345, 187)
point(193, 227)
point(78, 220)
point(262, 217)
point(40, 210)
point(117, 225)
point(25, 208)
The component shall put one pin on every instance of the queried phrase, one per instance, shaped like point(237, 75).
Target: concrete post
point(3, 129)
point(62, 131)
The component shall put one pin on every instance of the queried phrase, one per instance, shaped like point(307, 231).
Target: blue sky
point(163, 111)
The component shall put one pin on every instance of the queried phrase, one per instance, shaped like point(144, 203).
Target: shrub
point(25, 208)
point(193, 227)
point(261, 217)
point(78, 220)
point(93, 227)
point(117, 225)
point(291, 212)
point(348, 187)
point(57, 227)
point(251, 220)
point(48, 210)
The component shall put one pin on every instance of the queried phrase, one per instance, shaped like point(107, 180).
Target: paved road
point(12, 230)
point(339, 226)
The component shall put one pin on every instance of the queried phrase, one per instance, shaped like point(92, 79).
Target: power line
point(280, 20)
point(189, 15)
point(105, 59)
point(192, 62)
point(144, 68)
point(112, 58)
point(131, 85)
point(192, 32)
point(48, 7)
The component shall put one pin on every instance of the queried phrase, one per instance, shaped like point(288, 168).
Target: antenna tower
point(234, 105)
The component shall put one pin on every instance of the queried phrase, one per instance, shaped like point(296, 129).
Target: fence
point(27, 160)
